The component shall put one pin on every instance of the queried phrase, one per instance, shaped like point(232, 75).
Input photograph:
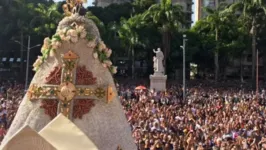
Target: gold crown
point(73, 6)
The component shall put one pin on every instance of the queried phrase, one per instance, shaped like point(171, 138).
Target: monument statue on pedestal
point(158, 62)
point(158, 79)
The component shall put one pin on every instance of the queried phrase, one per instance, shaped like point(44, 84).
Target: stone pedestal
point(158, 82)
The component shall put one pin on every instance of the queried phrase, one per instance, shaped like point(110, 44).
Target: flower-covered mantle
point(72, 34)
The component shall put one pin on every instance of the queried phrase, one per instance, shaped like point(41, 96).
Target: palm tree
point(129, 37)
point(112, 38)
point(46, 19)
point(216, 19)
point(252, 10)
point(6, 24)
point(97, 21)
point(168, 18)
point(22, 14)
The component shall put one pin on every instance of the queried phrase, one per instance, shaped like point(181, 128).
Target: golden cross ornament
point(67, 91)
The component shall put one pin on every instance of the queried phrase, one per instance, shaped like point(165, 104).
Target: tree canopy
point(134, 29)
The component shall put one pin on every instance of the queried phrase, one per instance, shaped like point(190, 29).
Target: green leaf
point(89, 37)
point(57, 37)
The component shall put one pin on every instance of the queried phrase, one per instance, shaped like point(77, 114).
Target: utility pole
point(28, 62)
point(27, 66)
point(184, 66)
point(28, 48)
point(21, 53)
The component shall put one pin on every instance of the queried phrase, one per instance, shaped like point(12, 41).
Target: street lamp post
point(28, 58)
point(184, 66)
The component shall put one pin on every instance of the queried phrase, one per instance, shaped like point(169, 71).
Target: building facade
point(187, 7)
point(200, 4)
point(105, 3)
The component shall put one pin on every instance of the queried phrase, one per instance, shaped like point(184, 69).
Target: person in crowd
point(10, 98)
point(228, 116)
point(225, 118)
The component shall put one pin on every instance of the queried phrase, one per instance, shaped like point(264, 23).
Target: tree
point(141, 5)
point(202, 41)
point(261, 41)
point(230, 42)
point(252, 10)
point(129, 37)
point(46, 19)
point(97, 21)
point(167, 18)
point(113, 12)
point(17, 15)
point(6, 23)
point(216, 19)
point(22, 15)
point(240, 42)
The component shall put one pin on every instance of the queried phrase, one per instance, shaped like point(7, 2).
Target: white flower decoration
point(102, 46)
point(64, 30)
point(61, 32)
point(52, 53)
point(92, 44)
point(114, 69)
point(74, 39)
point(80, 29)
point(46, 41)
point(83, 34)
point(55, 44)
point(43, 50)
point(72, 33)
point(104, 65)
point(38, 62)
point(64, 38)
point(108, 52)
point(108, 63)
point(67, 38)
point(95, 55)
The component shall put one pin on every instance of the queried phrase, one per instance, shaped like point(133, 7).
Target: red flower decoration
point(55, 76)
point(50, 107)
point(81, 107)
point(84, 77)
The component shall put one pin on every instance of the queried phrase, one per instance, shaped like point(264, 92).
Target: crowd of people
point(10, 97)
point(222, 117)
point(227, 118)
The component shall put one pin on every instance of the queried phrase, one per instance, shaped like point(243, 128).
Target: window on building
point(189, 7)
point(4, 59)
point(18, 59)
point(209, 3)
point(11, 59)
point(188, 17)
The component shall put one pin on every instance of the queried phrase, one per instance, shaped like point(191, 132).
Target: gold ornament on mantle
point(67, 91)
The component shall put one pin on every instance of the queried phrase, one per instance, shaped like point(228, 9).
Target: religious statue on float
point(73, 88)
point(158, 62)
